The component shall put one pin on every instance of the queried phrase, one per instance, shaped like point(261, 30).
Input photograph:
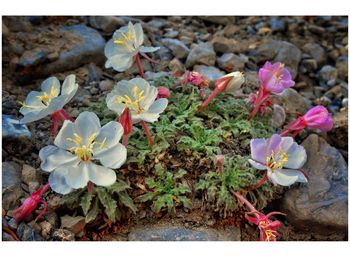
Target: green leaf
point(180, 173)
point(185, 201)
point(85, 202)
point(107, 201)
point(92, 214)
point(127, 201)
point(146, 197)
point(118, 186)
point(159, 203)
point(72, 199)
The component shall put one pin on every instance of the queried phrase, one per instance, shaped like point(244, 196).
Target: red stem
point(258, 184)
point(139, 65)
point(263, 95)
point(245, 201)
point(210, 98)
point(145, 128)
point(9, 231)
point(125, 139)
point(148, 58)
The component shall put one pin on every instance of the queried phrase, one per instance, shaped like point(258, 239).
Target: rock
point(292, 102)
point(223, 20)
point(107, 24)
point(25, 233)
point(163, 53)
point(310, 64)
point(178, 48)
point(7, 237)
point(277, 24)
point(11, 185)
point(317, 52)
point(231, 62)
point(222, 44)
point(17, 23)
point(157, 23)
point(29, 174)
point(32, 57)
point(171, 33)
point(63, 235)
point(251, 83)
point(342, 67)
point(106, 85)
point(328, 73)
point(151, 76)
point(231, 29)
point(203, 54)
point(278, 116)
point(11, 128)
point(5, 30)
point(280, 51)
point(339, 134)
point(12, 224)
point(94, 73)
point(180, 233)
point(74, 224)
point(46, 229)
point(316, 29)
point(33, 186)
point(211, 72)
point(176, 66)
point(321, 204)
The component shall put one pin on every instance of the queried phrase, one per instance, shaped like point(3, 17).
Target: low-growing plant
point(167, 190)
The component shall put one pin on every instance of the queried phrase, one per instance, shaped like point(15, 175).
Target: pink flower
point(275, 78)
point(316, 118)
point(163, 92)
point(30, 204)
point(268, 228)
point(197, 79)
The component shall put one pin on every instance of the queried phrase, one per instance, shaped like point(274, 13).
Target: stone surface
point(151, 76)
point(25, 233)
point(223, 20)
point(11, 185)
point(292, 102)
point(203, 54)
point(342, 67)
point(29, 174)
point(32, 57)
point(278, 116)
point(231, 62)
point(7, 237)
point(12, 128)
point(211, 72)
point(328, 73)
point(63, 235)
point(180, 233)
point(339, 133)
point(177, 47)
point(321, 205)
point(106, 85)
point(281, 51)
point(74, 224)
point(107, 24)
point(317, 52)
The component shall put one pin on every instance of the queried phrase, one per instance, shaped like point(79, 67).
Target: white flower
point(139, 97)
point(124, 45)
point(77, 145)
point(51, 99)
point(231, 82)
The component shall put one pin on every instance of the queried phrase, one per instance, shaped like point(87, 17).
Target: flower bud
point(163, 92)
point(125, 121)
point(230, 82)
point(319, 118)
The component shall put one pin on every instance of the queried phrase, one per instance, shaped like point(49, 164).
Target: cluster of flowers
point(84, 152)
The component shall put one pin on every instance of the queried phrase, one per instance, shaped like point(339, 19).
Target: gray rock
point(278, 116)
point(11, 185)
point(310, 64)
point(25, 233)
point(342, 67)
point(12, 223)
point(106, 85)
point(178, 48)
point(211, 72)
point(151, 76)
point(328, 73)
point(63, 235)
point(29, 174)
point(11, 128)
point(46, 229)
point(7, 237)
point(94, 73)
point(163, 53)
point(321, 204)
point(277, 24)
point(222, 44)
point(203, 54)
point(231, 62)
point(281, 51)
point(107, 24)
point(32, 57)
point(292, 102)
point(171, 33)
point(317, 52)
point(223, 20)
point(74, 224)
point(180, 233)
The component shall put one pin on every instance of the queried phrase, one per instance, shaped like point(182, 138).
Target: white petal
point(158, 106)
point(51, 85)
point(112, 49)
point(296, 156)
point(32, 103)
point(286, 143)
point(148, 49)
point(138, 34)
point(78, 176)
point(52, 159)
point(86, 124)
point(57, 103)
point(257, 165)
point(258, 149)
point(115, 157)
point(34, 116)
point(286, 177)
point(100, 175)
point(110, 135)
point(120, 62)
point(112, 103)
point(67, 131)
point(69, 88)
point(57, 181)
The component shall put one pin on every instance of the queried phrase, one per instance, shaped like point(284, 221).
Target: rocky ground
point(314, 49)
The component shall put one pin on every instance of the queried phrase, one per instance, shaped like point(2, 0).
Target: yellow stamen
point(46, 98)
point(277, 161)
point(125, 39)
point(135, 103)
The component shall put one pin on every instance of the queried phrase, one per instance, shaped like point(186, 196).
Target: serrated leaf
point(107, 201)
point(85, 202)
point(118, 186)
point(180, 173)
point(185, 201)
point(146, 197)
point(92, 214)
point(127, 201)
point(159, 204)
point(72, 199)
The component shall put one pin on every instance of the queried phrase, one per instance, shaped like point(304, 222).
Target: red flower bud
point(163, 92)
point(126, 122)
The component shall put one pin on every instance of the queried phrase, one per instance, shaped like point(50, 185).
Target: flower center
point(134, 103)
point(85, 152)
point(125, 40)
point(46, 98)
point(276, 161)
point(278, 72)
